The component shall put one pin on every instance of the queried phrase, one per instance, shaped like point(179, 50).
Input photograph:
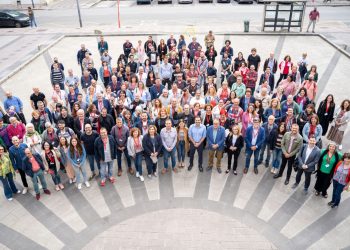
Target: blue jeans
point(151, 167)
point(249, 154)
point(119, 158)
point(32, 22)
point(262, 151)
point(78, 170)
point(91, 159)
point(9, 185)
point(40, 175)
point(276, 158)
point(106, 170)
point(138, 162)
point(55, 177)
point(337, 190)
point(167, 154)
point(181, 151)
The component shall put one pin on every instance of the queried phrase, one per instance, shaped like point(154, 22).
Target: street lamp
point(78, 7)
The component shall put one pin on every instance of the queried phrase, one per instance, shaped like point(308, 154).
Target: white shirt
point(194, 100)
point(308, 152)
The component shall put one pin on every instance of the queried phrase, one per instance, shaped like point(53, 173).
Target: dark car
point(12, 18)
point(224, 1)
point(143, 1)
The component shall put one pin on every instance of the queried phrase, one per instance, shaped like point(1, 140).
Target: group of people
point(169, 100)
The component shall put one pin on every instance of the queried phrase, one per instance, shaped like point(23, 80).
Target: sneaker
point(79, 186)
point(37, 196)
point(295, 185)
point(149, 176)
point(10, 199)
point(317, 193)
point(18, 191)
point(102, 183)
point(46, 191)
point(227, 171)
point(112, 179)
point(137, 174)
point(57, 188)
point(141, 178)
point(25, 190)
point(256, 170)
point(87, 184)
point(209, 168)
point(325, 196)
point(175, 170)
point(334, 206)
point(266, 165)
point(155, 174)
point(272, 170)
point(306, 191)
point(70, 181)
point(74, 180)
point(189, 168)
point(235, 172)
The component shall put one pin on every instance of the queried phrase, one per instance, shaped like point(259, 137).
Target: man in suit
point(246, 99)
point(269, 127)
point(80, 122)
point(271, 63)
point(269, 77)
point(255, 137)
point(216, 144)
point(307, 159)
point(101, 103)
point(290, 144)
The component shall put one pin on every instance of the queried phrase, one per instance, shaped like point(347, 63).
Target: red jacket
point(347, 180)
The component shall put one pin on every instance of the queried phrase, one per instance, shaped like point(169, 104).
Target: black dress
point(239, 145)
point(325, 116)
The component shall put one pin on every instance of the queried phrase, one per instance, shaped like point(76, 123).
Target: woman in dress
point(275, 146)
point(91, 96)
point(340, 123)
point(51, 156)
point(341, 180)
point(7, 172)
point(211, 54)
point(135, 150)
point(234, 144)
point(32, 139)
point(328, 160)
point(151, 79)
point(152, 147)
point(77, 157)
point(288, 85)
point(105, 73)
point(162, 49)
point(64, 148)
point(192, 73)
point(244, 71)
point(311, 88)
point(325, 112)
point(182, 146)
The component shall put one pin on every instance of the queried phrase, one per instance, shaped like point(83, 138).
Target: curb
point(39, 53)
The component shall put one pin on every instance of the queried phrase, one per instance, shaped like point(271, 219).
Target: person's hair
point(159, 101)
point(305, 91)
point(35, 112)
point(133, 130)
point(208, 91)
point(346, 156)
point(235, 126)
point(91, 108)
point(342, 104)
point(228, 42)
point(279, 127)
point(61, 122)
point(290, 59)
point(79, 147)
point(152, 126)
point(178, 124)
point(312, 106)
point(4, 147)
point(316, 117)
point(332, 102)
point(161, 110)
point(208, 105)
point(313, 66)
point(65, 141)
point(43, 143)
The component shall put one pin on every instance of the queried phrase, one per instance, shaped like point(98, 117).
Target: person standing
point(314, 16)
point(120, 133)
point(31, 17)
point(182, 142)
point(254, 138)
point(102, 45)
point(77, 156)
point(169, 139)
point(88, 139)
point(135, 149)
point(152, 145)
point(216, 144)
point(33, 167)
point(290, 144)
point(105, 154)
point(197, 135)
point(16, 152)
point(307, 159)
point(341, 180)
point(234, 144)
point(325, 112)
point(7, 173)
point(269, 128)
point(325, 168)
point(275, 146)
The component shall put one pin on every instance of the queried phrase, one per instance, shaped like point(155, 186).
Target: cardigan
point(56, 155)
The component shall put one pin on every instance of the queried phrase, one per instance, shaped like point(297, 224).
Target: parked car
point(13, 18)
point(205, 1)
point(185, 1)
point(143, 1)
point(224, 1)
point(244, 1)
point(165, 1)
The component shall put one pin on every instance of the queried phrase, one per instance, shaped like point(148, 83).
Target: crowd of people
point(169, 101)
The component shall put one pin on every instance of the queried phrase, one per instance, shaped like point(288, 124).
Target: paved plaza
point(187, 210)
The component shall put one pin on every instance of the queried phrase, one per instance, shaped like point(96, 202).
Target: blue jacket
point(99, 149)
point(306, 131)
point(267, 134)
point(27, 165)
point(101, 72)
point(220, 138)
point(13, 101)
point(249, 136)
point(154, 93)
point(269, 111)
point(106, 104)
point(74, 159)
point(17, 155)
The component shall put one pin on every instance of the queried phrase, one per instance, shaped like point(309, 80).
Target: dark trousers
point(290, 162)
point(307, 177)
point(282, 76)
point(200, 154)
point(235, 155)
point(9, 185)
point(91, 159)
point(151, 167)
point(23, 178)
point(119, 158)
point(166, 81)
point(106, 81)
point(337, 190)
point(248, 155)
point(323, 182)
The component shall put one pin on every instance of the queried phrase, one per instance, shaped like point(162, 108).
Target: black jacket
point(274, 69)
point(106, 122)
point(77, 126)
point(148, 146)
point(239, 144)
point(99, 149)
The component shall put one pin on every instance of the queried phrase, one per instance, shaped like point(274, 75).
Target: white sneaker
point(87, 184)
point(70, 181)
point(141, 178)
point(79, 186)
point(74, 180)
point(40, 186)
point(149, 176)
point(19, 191)
point(155, 174)
point(10, 199)
point(340, 147)
point(273, 170)
point(137, 174)
point(25, 190)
